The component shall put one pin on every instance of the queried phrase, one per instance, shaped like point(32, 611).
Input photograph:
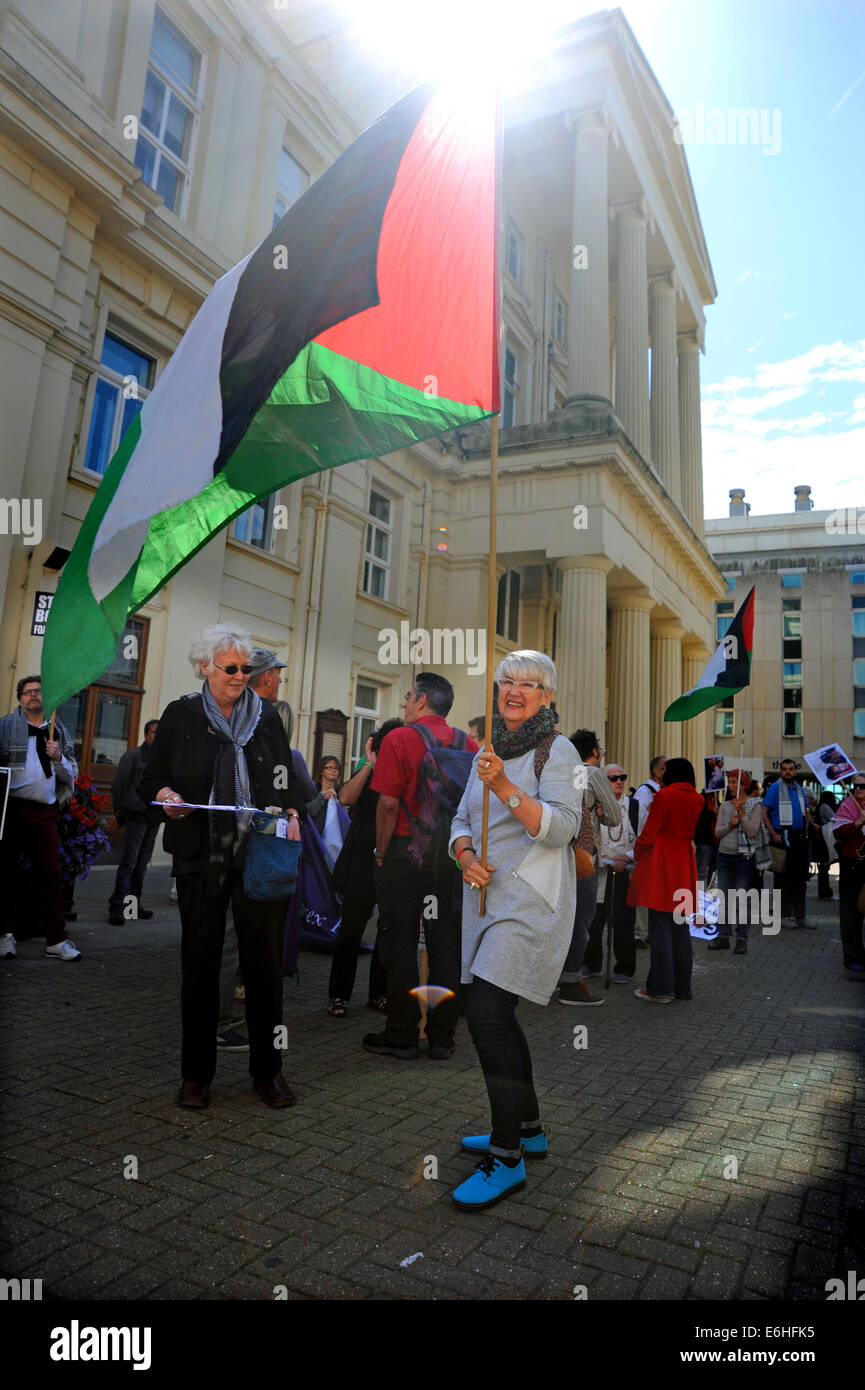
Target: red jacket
point(664, 851)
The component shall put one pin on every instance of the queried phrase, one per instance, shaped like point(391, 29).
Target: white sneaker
point(7, 945)
point(64, 950)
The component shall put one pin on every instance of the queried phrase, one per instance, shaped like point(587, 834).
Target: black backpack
point(634, 807)
point(442, 778)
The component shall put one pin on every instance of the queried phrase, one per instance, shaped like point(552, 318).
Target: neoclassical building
point(145, 148)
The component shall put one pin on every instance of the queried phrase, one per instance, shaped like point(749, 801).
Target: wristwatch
point(514, 800)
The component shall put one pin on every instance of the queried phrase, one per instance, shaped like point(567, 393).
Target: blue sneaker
point(489, 1183)
point(536, 1147)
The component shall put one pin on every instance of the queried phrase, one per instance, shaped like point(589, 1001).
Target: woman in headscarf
point(738, 831)
point(224, 747)
point(517, 949)
point(849, 828)
point(666, 868)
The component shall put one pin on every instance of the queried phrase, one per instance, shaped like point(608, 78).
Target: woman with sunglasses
point(223, 747)
point(849, 828)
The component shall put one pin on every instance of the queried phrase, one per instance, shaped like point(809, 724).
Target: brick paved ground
point(329, 1198)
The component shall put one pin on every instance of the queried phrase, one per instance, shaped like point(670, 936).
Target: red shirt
point(398, 763)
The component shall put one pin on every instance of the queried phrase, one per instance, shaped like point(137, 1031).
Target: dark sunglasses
point(233, 670)
point(618, 777)
point(858, 786)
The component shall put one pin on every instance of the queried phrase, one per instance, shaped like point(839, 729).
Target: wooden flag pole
point(491, 639)
point(51, 726)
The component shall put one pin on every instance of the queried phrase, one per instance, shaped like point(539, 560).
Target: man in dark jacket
point(140, 828)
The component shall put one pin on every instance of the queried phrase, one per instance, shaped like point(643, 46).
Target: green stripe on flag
point(697, 700)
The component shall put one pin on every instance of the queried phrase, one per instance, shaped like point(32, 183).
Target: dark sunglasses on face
point(232, 670)
point(618, 777)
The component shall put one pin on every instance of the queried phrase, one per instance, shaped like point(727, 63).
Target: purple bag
point(314, 911)
point(442, 778)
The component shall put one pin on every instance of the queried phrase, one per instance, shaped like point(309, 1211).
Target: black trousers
point(404, 892)
point(203, 899)
point(624, 946)
point(357, 908)
point(506, 1062)
point(31, 827)
point(851, 875)
point(794, 879)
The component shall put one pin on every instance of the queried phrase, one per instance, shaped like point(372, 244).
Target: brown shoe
point(194, 1095)
point(275, 1092)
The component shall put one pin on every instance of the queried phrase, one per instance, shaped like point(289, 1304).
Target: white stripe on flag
point(181, 425)
point(716, 667)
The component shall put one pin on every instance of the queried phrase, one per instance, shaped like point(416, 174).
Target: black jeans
point(671, 956)
point(138, 841)
point(851, 875)
point(401, 889)
point(357, 908)
point(624, 947)
point(203, 899)
point(794, 879)
point(506, 1061)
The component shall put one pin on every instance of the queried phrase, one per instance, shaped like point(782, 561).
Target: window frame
point(269, 503)
point(190, 99)
point(370, 559)
point(281, 192)
point(507, 579)
point(724, 710)
point(513, 231)
point(510, 387)
point(361, 713)
point(118, 384)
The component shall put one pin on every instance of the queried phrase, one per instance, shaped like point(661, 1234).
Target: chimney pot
point(803, 498)
point(738, 505)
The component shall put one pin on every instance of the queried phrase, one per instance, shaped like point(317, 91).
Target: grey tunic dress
point(521, 942)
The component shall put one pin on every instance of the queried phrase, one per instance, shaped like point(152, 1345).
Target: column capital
point(633, 210)
point(689, 341)
point(669, 628)
point(695, 650)
point(666, 283)
point(633, 600)
point(589, 121)
point(599, 563)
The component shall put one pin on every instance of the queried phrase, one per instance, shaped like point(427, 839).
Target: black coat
point(124, 789)
point(183, 756)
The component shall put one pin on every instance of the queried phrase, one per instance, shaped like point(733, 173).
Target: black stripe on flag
point(331, 236)
point(737, 671)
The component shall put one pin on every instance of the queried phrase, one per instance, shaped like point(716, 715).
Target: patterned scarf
point(14, 735)
point(513, 743)
point(233, 733)
point(785, 803)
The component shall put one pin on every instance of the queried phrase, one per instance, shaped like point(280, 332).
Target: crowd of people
point(513, 908)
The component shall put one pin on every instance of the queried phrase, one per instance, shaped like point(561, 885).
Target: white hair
point(527, 666)
point(219, 637)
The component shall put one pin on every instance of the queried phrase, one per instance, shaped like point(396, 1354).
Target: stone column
point(690, 432)
point(582, 643)
point(628, 730)
point(589, 303)
point(665, 385)
point(632, 333)
point(697, 738)
point(665, 663)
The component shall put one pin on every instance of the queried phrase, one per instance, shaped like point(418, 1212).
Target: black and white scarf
point(785, 803)
point(231, 778)
point(513, 743)
point(15, 734)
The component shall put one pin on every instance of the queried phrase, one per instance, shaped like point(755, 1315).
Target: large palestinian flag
point(727, 673)
point(365, 321)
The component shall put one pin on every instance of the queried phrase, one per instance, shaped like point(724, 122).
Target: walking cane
point(609, 965)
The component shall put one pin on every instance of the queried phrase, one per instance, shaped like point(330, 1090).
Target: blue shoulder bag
point(271, 865)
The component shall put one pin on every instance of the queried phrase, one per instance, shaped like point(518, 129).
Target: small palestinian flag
point(727, 673)
point(367, 320)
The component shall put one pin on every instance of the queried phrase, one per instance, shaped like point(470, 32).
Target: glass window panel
point(792, 724)
point(72, 714)
point(179, 56)
point(101, 427)
point(145, 158)
point(859, 698)
point(510, 365)
point(859, 672)
point(859, 646)
point(859, 624)
point(152, 105)
point(279, 211)
point(514, 607)
point(169, 184)
point(131, 408)
point(501, 601)
point(178, 127)
point(859, 723)
point(793, 697)
point(379, 507)
point(508, 408)
point(127, 657)
point(858, 601)
point(723, 723)
point(241, 525)
point(367, 696)
point(857, 576)
point(792, 648)
point(381, 544)
point(111, 727)
point(259, 521)
point(791, 581)
point(376, 585)
point(126, 360)
point(293, 178)
point(792, 624)
point(792, 673)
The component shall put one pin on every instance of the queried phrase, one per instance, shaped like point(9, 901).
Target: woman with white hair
point(224, 747)
point(517, 949)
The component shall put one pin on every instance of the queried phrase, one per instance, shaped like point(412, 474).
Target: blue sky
point(784, 371)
